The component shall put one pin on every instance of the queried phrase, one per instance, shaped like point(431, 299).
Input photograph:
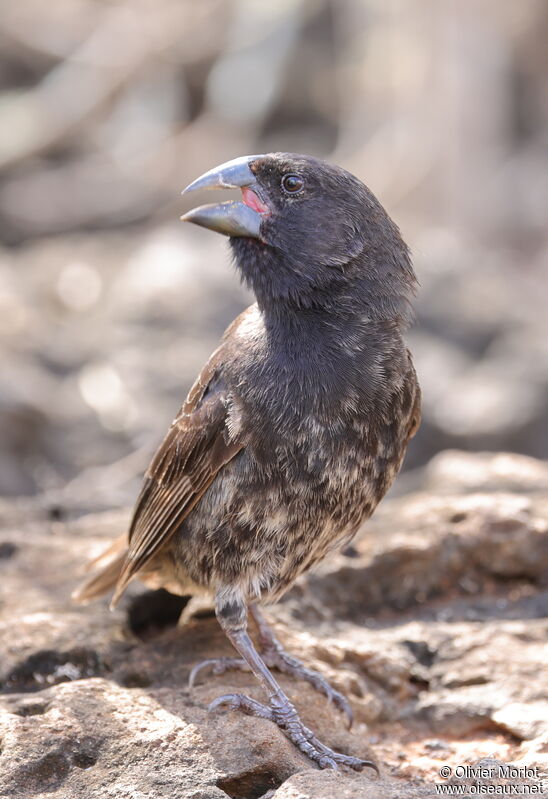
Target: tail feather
point(112, 561)
point(118, 547)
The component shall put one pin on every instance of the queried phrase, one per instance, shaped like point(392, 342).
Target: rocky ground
point(433, 622)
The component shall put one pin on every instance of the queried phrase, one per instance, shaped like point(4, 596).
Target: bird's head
point(308, 234)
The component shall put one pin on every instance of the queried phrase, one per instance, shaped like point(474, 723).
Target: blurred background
point(109, 305)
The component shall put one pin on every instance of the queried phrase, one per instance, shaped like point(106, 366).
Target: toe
point(242, 703)
point(217, 666)
point(226, 701)
point(326, 754)
point(327, 762)
point(196, 670)
point(342, 704)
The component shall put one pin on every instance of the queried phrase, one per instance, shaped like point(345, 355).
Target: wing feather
point(198, 444)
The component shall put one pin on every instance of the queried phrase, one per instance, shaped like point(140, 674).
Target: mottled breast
point(326, 429)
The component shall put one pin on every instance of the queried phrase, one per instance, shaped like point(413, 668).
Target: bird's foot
point(285, 716)
point(274, 657)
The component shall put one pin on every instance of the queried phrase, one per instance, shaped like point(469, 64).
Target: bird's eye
point(292, 184)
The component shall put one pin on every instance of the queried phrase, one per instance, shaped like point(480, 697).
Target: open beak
point(231, 218)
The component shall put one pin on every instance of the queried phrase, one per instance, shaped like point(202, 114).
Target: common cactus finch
point(298, 423)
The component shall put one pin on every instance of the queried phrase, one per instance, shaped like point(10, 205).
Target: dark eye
point(292, 183)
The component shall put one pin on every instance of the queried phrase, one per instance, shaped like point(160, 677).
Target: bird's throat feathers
point(372, 284)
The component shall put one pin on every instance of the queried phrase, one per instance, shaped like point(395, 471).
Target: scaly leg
point(275, 657)
point(232, 616)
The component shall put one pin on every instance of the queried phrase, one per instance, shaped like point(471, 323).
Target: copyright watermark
point(482, 780)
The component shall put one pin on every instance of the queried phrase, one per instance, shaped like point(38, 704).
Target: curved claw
point(358, 764)
point(372, 766)
point(218, 666)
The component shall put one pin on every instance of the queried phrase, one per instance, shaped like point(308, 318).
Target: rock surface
point(433, 622)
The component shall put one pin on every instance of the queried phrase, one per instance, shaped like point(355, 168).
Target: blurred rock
point(526, 721)
point(82, 385)
point(480, 347)
point(458, 472)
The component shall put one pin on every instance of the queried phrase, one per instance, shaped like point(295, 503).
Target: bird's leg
point(275, 657)
point(232, 616)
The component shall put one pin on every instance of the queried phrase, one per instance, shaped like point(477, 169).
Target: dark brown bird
point(297, 425)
